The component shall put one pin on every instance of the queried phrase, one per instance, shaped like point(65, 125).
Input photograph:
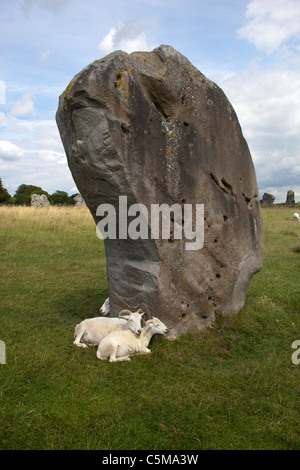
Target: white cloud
point(268, 102)
point(267, 106)
point(48, 155)
point(52, 5)
point(128, 37)
point(271, 23)
point(2, 92)
point(38, 158)
point(44, 56)
point(9, 151)
point(24, 107)
point(3, 119)
point(73, 190)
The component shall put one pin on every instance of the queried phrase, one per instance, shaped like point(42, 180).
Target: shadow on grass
point(296, 249)
point(81, 305)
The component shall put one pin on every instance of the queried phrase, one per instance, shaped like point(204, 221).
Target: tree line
point(22, 196)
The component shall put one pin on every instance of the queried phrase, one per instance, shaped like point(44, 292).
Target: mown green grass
point(232, 386)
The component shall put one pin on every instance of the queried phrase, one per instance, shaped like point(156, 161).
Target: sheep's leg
point(98, 354)
point(114, 357)
point(79, 332)
point(102, 358)
point(145, 351)
point(119, 359)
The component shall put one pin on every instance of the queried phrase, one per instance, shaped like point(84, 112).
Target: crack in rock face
point(153, 128)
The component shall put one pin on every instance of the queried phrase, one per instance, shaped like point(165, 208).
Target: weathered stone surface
point(290, 198)
point(38, 200)
point(267, 200)
point(152, 127)
point(79, 201)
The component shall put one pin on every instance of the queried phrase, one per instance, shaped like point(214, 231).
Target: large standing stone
point(152, 127)
point(39, 200)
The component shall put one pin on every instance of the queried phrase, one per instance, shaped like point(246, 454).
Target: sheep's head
point(134, 320)
point(157, 326)
point(105, 309)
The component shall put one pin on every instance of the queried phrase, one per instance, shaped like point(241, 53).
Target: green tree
point(23, 194)
point(40, 192)
point(5, 197)
point(71, 198)
point(61, 198)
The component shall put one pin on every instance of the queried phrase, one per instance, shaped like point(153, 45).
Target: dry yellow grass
point(60, 217)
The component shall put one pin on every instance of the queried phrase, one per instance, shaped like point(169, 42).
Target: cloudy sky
point(250, 48)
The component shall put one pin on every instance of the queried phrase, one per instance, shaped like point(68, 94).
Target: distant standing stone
point(79, 201)
point(290, 198)
point(267, 200)
point(38, 200)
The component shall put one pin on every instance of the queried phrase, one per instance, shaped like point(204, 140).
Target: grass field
point(233, 386)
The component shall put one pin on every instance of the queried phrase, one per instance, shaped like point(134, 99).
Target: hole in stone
point(124, 128)
point(218, 276)
point(186, 124)
point(247, 199)
point(160, 108)
point(225, 218)
point(204, 317)
point(214, 178)
point(228, 186)
point(215, 240)
point(183, 315)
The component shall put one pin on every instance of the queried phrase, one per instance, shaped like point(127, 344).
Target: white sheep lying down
point(118, 346)
point(93, 330)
